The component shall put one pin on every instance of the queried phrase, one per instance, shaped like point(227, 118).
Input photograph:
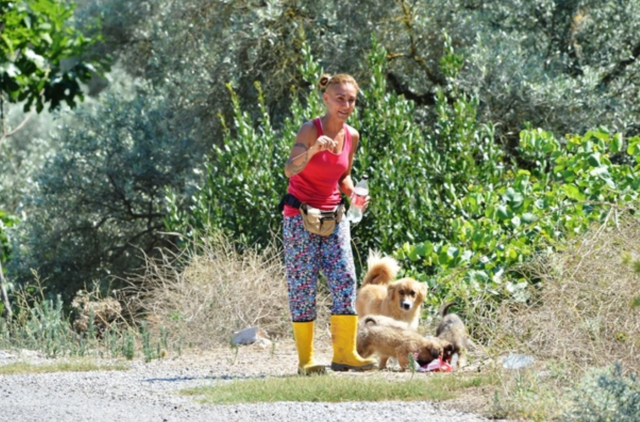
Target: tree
point(41, 62)
point(98, 205)
point(5, 221)
point(41, 56)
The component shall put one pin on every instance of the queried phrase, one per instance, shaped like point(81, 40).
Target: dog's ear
point(391, 291)
point(447, 349)
point(435, 351)
point(422, 290)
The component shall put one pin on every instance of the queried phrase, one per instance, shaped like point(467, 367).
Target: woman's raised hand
point(324, 143)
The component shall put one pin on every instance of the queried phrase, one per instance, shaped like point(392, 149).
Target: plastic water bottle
point(356, 207)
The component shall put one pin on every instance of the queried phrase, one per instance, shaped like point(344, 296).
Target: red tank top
point(317, 184)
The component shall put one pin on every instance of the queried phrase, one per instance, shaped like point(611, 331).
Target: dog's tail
point(381, 269)
point(446, 307)
point(370, 320)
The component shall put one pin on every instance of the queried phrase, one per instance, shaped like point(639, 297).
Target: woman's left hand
point(366, 201)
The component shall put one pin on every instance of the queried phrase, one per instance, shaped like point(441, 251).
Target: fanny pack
point(315, 220)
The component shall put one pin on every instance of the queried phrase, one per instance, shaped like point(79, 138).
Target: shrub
point(574, 184)
point(98, 329)
point(211, 290)
point(583, 310)
point(418, 175)
point(446, 200)
point(100, 199)
point(606, 395)
point(412, 174)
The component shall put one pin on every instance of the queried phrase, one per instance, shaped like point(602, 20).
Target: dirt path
point(149, 392)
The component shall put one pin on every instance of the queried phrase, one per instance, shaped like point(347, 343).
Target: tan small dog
point(381, 295)
point(452, 330)
point(386, 337)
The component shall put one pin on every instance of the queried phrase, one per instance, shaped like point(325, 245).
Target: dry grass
point(211, 290)
point(584, 311)
point(77, 365)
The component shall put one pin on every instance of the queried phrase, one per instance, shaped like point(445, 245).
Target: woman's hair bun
point(339, 78)
point(323, 83)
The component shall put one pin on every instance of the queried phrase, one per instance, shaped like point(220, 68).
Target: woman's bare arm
point(306, 146)
point(346, 182)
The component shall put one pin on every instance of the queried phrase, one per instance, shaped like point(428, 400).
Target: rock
point(517, 361)
point(250, 335)
point(4, 356)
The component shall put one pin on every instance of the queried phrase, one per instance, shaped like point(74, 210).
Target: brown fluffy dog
point(452, 330)
point(381, 295)
point(386, 337)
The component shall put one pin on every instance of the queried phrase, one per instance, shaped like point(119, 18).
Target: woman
point(319, 167)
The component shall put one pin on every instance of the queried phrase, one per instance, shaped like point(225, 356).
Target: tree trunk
point(3, 295)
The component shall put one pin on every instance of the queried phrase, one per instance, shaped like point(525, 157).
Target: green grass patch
point(69, 366)
point(331, 388)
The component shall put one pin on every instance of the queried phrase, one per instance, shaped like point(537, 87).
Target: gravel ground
point(149, 392)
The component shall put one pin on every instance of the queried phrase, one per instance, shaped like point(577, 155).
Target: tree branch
point(5, 135)
point(421, 99)
point(5, 298)
point(407, 20)
point(619, 68)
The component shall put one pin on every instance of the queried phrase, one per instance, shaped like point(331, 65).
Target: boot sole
point(314, 370)
point(341, 367)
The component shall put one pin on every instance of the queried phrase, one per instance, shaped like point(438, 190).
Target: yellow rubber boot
point(344, 329)
point(303, 334)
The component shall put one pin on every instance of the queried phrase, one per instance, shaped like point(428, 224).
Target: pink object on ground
point(437, 365)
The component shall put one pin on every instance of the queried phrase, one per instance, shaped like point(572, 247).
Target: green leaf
point(634, 146)
point(413, 254)
point(594, 160)
point(478, 276)
point(601, 172)
point(513, 197)
point(616, 143)
point(528, 218)
point(573, 192)
point(602, 134)
point(502, 212)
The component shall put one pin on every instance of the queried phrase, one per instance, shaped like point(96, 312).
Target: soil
point(150, 391)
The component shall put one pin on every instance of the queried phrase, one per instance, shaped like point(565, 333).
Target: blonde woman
point(319, 168)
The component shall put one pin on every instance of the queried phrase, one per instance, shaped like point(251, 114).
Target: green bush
point(416, 178)
point(446, 200)
point(98, 203)
point(6, 221)
point(417, 174)
point(606, 395)
point(563, 66)
point(245, 177)
point(574, 184)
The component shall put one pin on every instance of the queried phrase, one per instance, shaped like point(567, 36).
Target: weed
point(525, 393)
point(236, 350)
point(128, 345)
point(582, 309)
point(147, 349)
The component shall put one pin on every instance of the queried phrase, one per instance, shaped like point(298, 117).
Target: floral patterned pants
point(305, 254)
